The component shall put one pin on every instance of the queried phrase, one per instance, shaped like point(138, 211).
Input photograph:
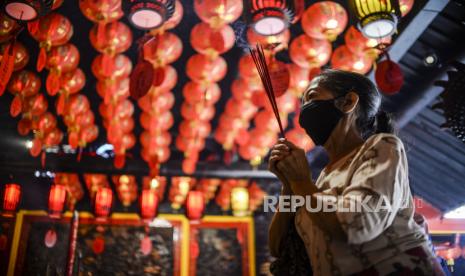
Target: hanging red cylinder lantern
point(389, 77)
point(195, 204)
point(344, 59)
point(103, 201)
point(309, 52)
point(148, 204)
point(218, 13)
point(280, 77)
point(324, 20)
point(202, 69)
point(56, 200)
point(212, 42)
point(195, 92)
point(11, 198)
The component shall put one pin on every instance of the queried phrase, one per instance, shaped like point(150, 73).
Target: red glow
point(103, 201)
point(56, 200)
point(149, 203)
point(11, 197)
point(195, 205)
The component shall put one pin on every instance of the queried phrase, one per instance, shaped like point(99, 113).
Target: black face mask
point(319, 118)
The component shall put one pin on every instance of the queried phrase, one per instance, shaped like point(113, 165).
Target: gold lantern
point(240, 201)
point(377, 18)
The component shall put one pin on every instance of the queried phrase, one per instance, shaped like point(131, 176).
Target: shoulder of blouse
point(385, 140)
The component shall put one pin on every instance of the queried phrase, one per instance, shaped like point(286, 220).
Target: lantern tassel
point(42, 59)
point(16, 106)
point(7, 65)
point(53, 83)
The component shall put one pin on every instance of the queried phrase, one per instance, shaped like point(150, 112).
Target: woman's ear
point(350, 102)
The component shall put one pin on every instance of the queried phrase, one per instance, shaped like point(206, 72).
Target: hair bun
point(384, 122)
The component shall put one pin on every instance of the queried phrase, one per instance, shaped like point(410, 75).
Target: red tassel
point(73, 140)
point(61, 104)
point(6, 67)
point(53, 83)
point(42, 59)
point(42, 159)
point(119, 161)
point(16, 106)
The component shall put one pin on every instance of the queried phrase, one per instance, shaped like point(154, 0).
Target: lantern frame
point(35, 9)
point(158, 11)
point(376, 20)
point(278, 13)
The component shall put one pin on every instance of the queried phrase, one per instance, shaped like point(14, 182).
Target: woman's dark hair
point(370, 119)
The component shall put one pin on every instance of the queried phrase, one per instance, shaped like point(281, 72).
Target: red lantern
point(175, 19)
point(194, 128)
point(212, 42)
point(56, 200)
point(309, 52)
point(103, 201)
point(389, 77)
point(21, 57)
point(201, 68)
point(405, 6)
point(359, 44)
point(148, 14)
point(121, 67)
point(324, 20)
point(195, 204)
point(240, 109)
point(148, 204)
point(115, 38)
point(113, 91)
point(195, 92)
point(344, 59)
point(11, 198)
point(162, 139)
point(103, 11)
point(24, 83)
point(51, 30)
point(61, 59)
point(8, 28)
point(157, 104)
point(275, 43)
point(279, 75)
point(163, 49)
point(274, 16)
point(160, 122)
point(189, 145)
point(218, 13)
point(198, 111)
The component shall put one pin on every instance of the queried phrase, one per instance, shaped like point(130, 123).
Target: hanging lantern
point(28, 10)
point(102, 11)
point(239, 201)
point(162, 49)
point(148, 204)
point(202, 69)
point(389, 77)
point(103, 201)
point(208, 41)
point(11, 198)
point(360, 45)
point(344, 59)
point(56, 200)
point(8, 28)
point(218, 13)
point(195, 204)
point(377, 18)
point(324, 20)
point(148, 14)
point(275, 16)
point(405, 6)
point(21, 57)
point(309, 52)
point(275, 43)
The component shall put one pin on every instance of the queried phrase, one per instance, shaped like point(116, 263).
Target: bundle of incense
point(258, 56)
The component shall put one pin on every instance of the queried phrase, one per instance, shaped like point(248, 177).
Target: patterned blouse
point(377, 241)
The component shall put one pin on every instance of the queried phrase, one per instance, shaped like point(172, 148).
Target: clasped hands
point(289, 163)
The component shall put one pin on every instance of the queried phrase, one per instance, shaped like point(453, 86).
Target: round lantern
point(344, 59)
point(195, 204)
point(274, 43)
point(60, 59)
point(198, 111)
point(377, 18)
point(195, 92)
point(389, 77)
point(279, 75)
point(56, 200)
point(218, 13)
point(162, 49)
point(148, 14)
point(24, 83)
point(272, 17)
point(21, 55)
point(309, 52)
point(359, 45)
point(239, 201)
point(114, 38)
point(208, 41)
point(8, 28)
point(121, 67)
point(103, 11)
point(103, 201)
point(324, 20)
point(202, 69)
point(11, 198)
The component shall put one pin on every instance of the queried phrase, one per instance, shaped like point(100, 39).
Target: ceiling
point(437, 159)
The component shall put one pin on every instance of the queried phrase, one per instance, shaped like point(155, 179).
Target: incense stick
point(258, 56)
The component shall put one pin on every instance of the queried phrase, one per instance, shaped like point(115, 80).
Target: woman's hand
point(290, 161)
point(279, 152)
